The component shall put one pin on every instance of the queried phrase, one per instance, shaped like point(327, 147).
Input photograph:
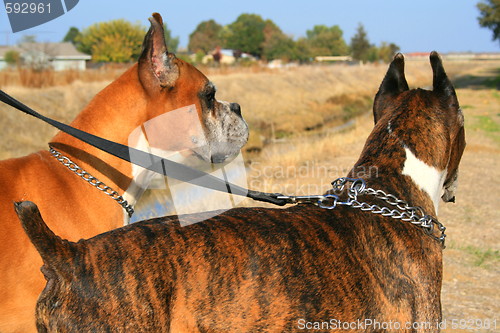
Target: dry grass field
point(298, 147)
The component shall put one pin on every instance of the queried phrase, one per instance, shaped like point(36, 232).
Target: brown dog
point(157, 84)
point(274, 270)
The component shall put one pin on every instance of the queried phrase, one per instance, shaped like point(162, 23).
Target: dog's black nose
point(235, 107)
point(218, 158)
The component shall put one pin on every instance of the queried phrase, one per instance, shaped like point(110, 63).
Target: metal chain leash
point(92, 180)
point(403, 211)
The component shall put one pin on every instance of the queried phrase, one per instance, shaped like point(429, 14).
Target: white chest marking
point(428, 178)
point(142, 178)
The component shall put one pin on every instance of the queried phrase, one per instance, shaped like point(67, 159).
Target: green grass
point(280, 134)
point(482, 257)
point(487, 124)
point(356, 107)
point(488, 80)
point(492, 82)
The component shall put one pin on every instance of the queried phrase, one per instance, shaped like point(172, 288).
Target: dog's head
point(61, 303)
point(88, 289)
point(429, 124)
point(173, 84)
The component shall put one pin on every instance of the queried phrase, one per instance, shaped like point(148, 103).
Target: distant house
point(226, 56)
point(58, 56)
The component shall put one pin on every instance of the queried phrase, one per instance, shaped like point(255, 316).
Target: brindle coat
point(270, 270)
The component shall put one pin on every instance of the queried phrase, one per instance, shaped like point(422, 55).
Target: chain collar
point(92, 180)
point(403, 211)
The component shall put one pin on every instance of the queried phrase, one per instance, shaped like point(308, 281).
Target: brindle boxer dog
point(157, 84)
point(276, 270)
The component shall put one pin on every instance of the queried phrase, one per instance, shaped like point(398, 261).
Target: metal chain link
point(403, 211)
point(92, 180)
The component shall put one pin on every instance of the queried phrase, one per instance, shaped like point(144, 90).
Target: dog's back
point(247, 270)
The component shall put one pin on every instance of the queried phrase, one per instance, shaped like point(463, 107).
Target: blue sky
point(423, 25)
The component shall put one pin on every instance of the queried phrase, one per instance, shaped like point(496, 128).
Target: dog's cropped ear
point(157, 67)
point(441, 84)
point(56, 253)
point(393, 84)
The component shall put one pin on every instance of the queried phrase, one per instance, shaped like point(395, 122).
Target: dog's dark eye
point(211, 96)
point(208, 95)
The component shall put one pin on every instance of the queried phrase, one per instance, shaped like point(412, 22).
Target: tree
point(206, 37)
point(12, 57)
point(246, 34)
point(325, 40)
point(360, 45)
point(114, 41)
point(302, 50)
point(71, 35)
point(27, 39)
point(34, 55)
point(172, 42)
point(279, 46)
point(387, 51)
point(276, 44)
point(271, 30)
point(490, 16)
point(373, 54)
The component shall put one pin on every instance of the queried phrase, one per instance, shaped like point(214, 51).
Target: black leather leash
point(149, 161)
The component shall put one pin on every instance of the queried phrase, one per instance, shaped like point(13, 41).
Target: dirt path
point(472, 260)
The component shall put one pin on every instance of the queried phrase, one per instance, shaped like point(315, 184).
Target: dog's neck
point(387, 163)
point(113, 114)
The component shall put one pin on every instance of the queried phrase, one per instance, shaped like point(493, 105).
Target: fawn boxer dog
point(157, 84)
point(277, 270)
